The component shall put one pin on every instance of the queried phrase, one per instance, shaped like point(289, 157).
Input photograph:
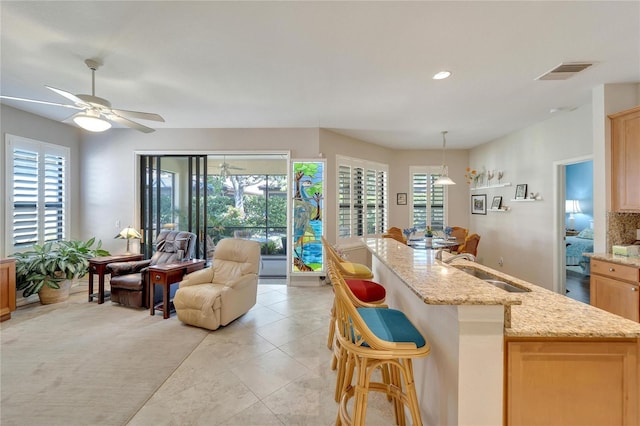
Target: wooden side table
point(98, 265)
point(167, 274)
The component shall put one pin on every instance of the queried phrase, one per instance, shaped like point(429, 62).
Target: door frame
point(559, 246)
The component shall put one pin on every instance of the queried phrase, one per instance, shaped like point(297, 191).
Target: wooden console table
point(7, 288)
point(98, 265)
point(165, 275)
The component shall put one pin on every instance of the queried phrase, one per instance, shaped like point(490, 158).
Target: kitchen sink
point(506, 286)
point(491, 279)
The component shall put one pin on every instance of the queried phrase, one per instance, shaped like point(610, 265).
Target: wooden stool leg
point(361, 392)
point(398, 404)
point(332, 326)
point(342, 374)
point(414, 407)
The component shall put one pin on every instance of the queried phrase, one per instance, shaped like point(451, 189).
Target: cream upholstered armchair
point(217, 295)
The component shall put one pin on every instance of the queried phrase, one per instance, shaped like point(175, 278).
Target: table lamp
point(129, 233)
point(571, 207)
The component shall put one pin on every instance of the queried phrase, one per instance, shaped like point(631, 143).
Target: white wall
point(20, 123)
point(524, 236)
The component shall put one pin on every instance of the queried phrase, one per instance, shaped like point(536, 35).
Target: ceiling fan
point(226, 167)
point(96, 113)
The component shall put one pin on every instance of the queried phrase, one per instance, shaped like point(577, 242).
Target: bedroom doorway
point(578, 228)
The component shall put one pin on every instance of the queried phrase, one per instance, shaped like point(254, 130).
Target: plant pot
point(50, 295)
point(429, 242)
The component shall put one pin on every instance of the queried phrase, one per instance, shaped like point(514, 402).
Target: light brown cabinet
point(572, 382)
point(625, 160)
point(7, 288)
point(615, 288)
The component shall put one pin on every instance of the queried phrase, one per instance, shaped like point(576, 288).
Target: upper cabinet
point(625, 160)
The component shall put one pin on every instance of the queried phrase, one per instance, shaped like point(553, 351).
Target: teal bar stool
point(371, 338)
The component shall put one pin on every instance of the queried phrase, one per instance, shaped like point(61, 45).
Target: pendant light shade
point(444, 179)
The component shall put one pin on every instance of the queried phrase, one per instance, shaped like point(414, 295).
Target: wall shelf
point(500, 210)
point(498, 185)
point(526, 200)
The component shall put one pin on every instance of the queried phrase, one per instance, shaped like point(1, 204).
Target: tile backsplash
point(621, 228)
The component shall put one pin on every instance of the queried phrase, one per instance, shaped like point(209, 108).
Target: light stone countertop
point(538, 313)
point(615, 258)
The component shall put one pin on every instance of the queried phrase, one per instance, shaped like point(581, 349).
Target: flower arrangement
point(471, 175)
point(428, 232)
point(409, 231)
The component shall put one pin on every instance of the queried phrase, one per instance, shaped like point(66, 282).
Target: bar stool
point(374, 337)
point(358, 277)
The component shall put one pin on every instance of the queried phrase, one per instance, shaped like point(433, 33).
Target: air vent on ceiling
point(565, 70)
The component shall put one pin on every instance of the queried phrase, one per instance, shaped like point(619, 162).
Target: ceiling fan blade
point(68, 95)
point(13, 98)
point(137, 114)
point(126, 122)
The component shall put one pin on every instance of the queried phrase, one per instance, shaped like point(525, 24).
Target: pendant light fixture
point(444, 178)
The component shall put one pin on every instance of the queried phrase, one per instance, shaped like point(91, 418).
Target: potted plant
point(48, 269)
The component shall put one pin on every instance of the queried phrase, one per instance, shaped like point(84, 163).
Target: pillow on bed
point(586, 233)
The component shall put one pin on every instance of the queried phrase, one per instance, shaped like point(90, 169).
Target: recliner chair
point(130, 281)
point(218, 295)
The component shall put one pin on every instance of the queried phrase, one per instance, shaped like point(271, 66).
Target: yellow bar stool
point(374, 337)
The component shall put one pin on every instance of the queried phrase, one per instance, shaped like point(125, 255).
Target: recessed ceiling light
point(442, 75)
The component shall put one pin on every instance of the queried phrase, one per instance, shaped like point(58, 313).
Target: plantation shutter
point(362, 198)
point(428, 201)
point(25, 198)
point(437, 203)
point(38, 177)
point(344, 201)
point(419, 206)
point(358, 201)
point(53, 186)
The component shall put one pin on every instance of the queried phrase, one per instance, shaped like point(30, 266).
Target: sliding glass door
point(173, 195)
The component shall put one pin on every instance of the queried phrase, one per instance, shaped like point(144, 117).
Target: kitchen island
point(497, 357)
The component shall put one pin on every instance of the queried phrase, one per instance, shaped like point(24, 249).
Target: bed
point(576, 245)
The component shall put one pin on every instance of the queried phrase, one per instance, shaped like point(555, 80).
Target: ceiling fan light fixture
point(91, 122)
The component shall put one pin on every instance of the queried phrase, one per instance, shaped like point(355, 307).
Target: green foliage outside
point(224, 217)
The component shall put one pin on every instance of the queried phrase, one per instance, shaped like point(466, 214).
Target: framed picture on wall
point(479, 204)
point(496, 203)
point(401, 198)
point(521, 191)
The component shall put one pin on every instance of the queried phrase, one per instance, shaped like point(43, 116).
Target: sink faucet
point(467, 256)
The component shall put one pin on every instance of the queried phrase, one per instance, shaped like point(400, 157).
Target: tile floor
point(269, 367)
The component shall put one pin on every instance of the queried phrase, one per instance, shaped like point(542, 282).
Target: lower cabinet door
point(616, 297)
point(572, 383)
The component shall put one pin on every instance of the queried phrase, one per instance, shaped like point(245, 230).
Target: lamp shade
point(572, 206)
point(129, 233)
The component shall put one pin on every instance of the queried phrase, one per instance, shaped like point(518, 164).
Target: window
point(362, 197)
point(37, 179)
point(428, 201)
